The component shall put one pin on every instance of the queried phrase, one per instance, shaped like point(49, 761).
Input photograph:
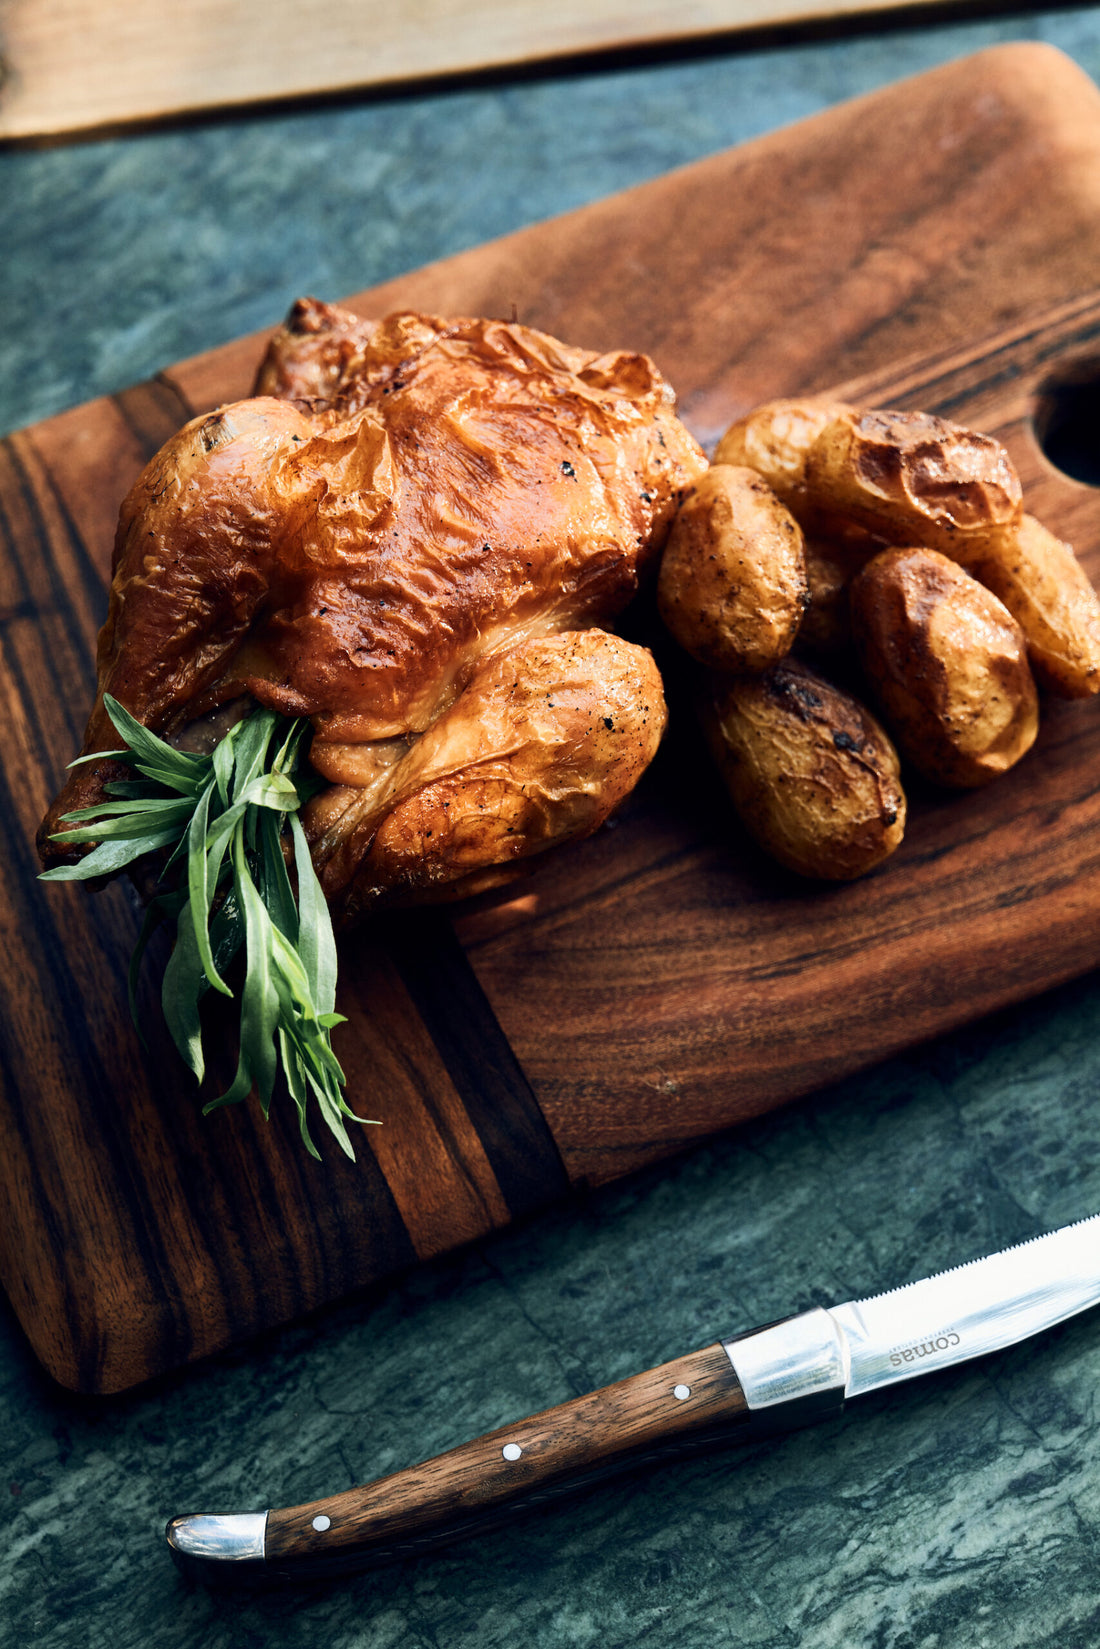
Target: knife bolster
point(792, 1372)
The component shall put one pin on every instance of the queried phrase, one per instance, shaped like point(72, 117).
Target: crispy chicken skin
point(548, 738)
point(404, 504)
point(318, 350)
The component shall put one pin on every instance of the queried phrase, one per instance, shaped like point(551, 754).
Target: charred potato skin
point(812, 774)
point(913, 478)
point(948, 665)
point(732, 586)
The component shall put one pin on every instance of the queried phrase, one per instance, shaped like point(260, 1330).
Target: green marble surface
point(957, 1512)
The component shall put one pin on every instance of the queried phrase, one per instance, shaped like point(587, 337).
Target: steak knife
point(773, 1378)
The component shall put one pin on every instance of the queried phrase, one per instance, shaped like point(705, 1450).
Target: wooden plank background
point(67, 65)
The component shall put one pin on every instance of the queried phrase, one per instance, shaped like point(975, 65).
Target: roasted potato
point(913, 479)
point(831, 563)
point(921, 567)
point(811, 772)
point(1048, 593)
point(774, 440)
point(732, 586)
point(947, 663)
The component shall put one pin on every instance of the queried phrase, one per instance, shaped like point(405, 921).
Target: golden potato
point(732, 586)
point(811, 772)
point(774, 440)
point(831, 563)
point(948, 664)
point(1048, 593)
point(913, 478)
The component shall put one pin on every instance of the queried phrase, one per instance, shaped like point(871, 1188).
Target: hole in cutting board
point(1066, 420)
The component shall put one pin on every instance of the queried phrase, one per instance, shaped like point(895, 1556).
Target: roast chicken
point(413, 534)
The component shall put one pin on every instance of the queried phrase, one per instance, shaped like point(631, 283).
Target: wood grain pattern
point(474, 1486)
point(736, 986)
point(72, 64)
point(662, 980)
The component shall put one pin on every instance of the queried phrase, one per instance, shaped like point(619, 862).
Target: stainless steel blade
point(817, 1359)
point(977, 1308)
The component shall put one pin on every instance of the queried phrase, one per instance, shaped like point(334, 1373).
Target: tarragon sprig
point(223, 819)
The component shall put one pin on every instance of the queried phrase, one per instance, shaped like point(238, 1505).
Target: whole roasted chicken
point(412, 535)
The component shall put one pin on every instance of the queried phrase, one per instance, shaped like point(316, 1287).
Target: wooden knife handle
point(482, 1483)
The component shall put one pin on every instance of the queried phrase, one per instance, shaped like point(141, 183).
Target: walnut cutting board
point(937, 242)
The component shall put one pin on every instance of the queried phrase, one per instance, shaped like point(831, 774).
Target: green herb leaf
point(219, 822)
point(202, 881)
point(274, 879)
point(257, 1065)
point(109, 857)
point(144, 746)
point(182, 989)
point(316, 940)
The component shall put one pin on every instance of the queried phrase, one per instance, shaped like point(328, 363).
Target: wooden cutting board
point(938, 240)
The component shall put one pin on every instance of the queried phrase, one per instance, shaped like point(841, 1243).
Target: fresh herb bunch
point(226, 884)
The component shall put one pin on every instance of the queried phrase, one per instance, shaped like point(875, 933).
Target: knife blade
point(780, 1376)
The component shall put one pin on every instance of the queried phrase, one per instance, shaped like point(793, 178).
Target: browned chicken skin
point(417, 526)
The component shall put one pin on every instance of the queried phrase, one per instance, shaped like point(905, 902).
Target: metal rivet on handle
point(511, 1451)
point(681, 1392)
point(322, 1523)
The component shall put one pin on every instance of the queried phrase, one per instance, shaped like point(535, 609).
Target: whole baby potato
point(1048, 593)
point(833, 558)
point(811, 772)
point(732, 586)
point(913, 478)
point(948, 664)
point(775, 439)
